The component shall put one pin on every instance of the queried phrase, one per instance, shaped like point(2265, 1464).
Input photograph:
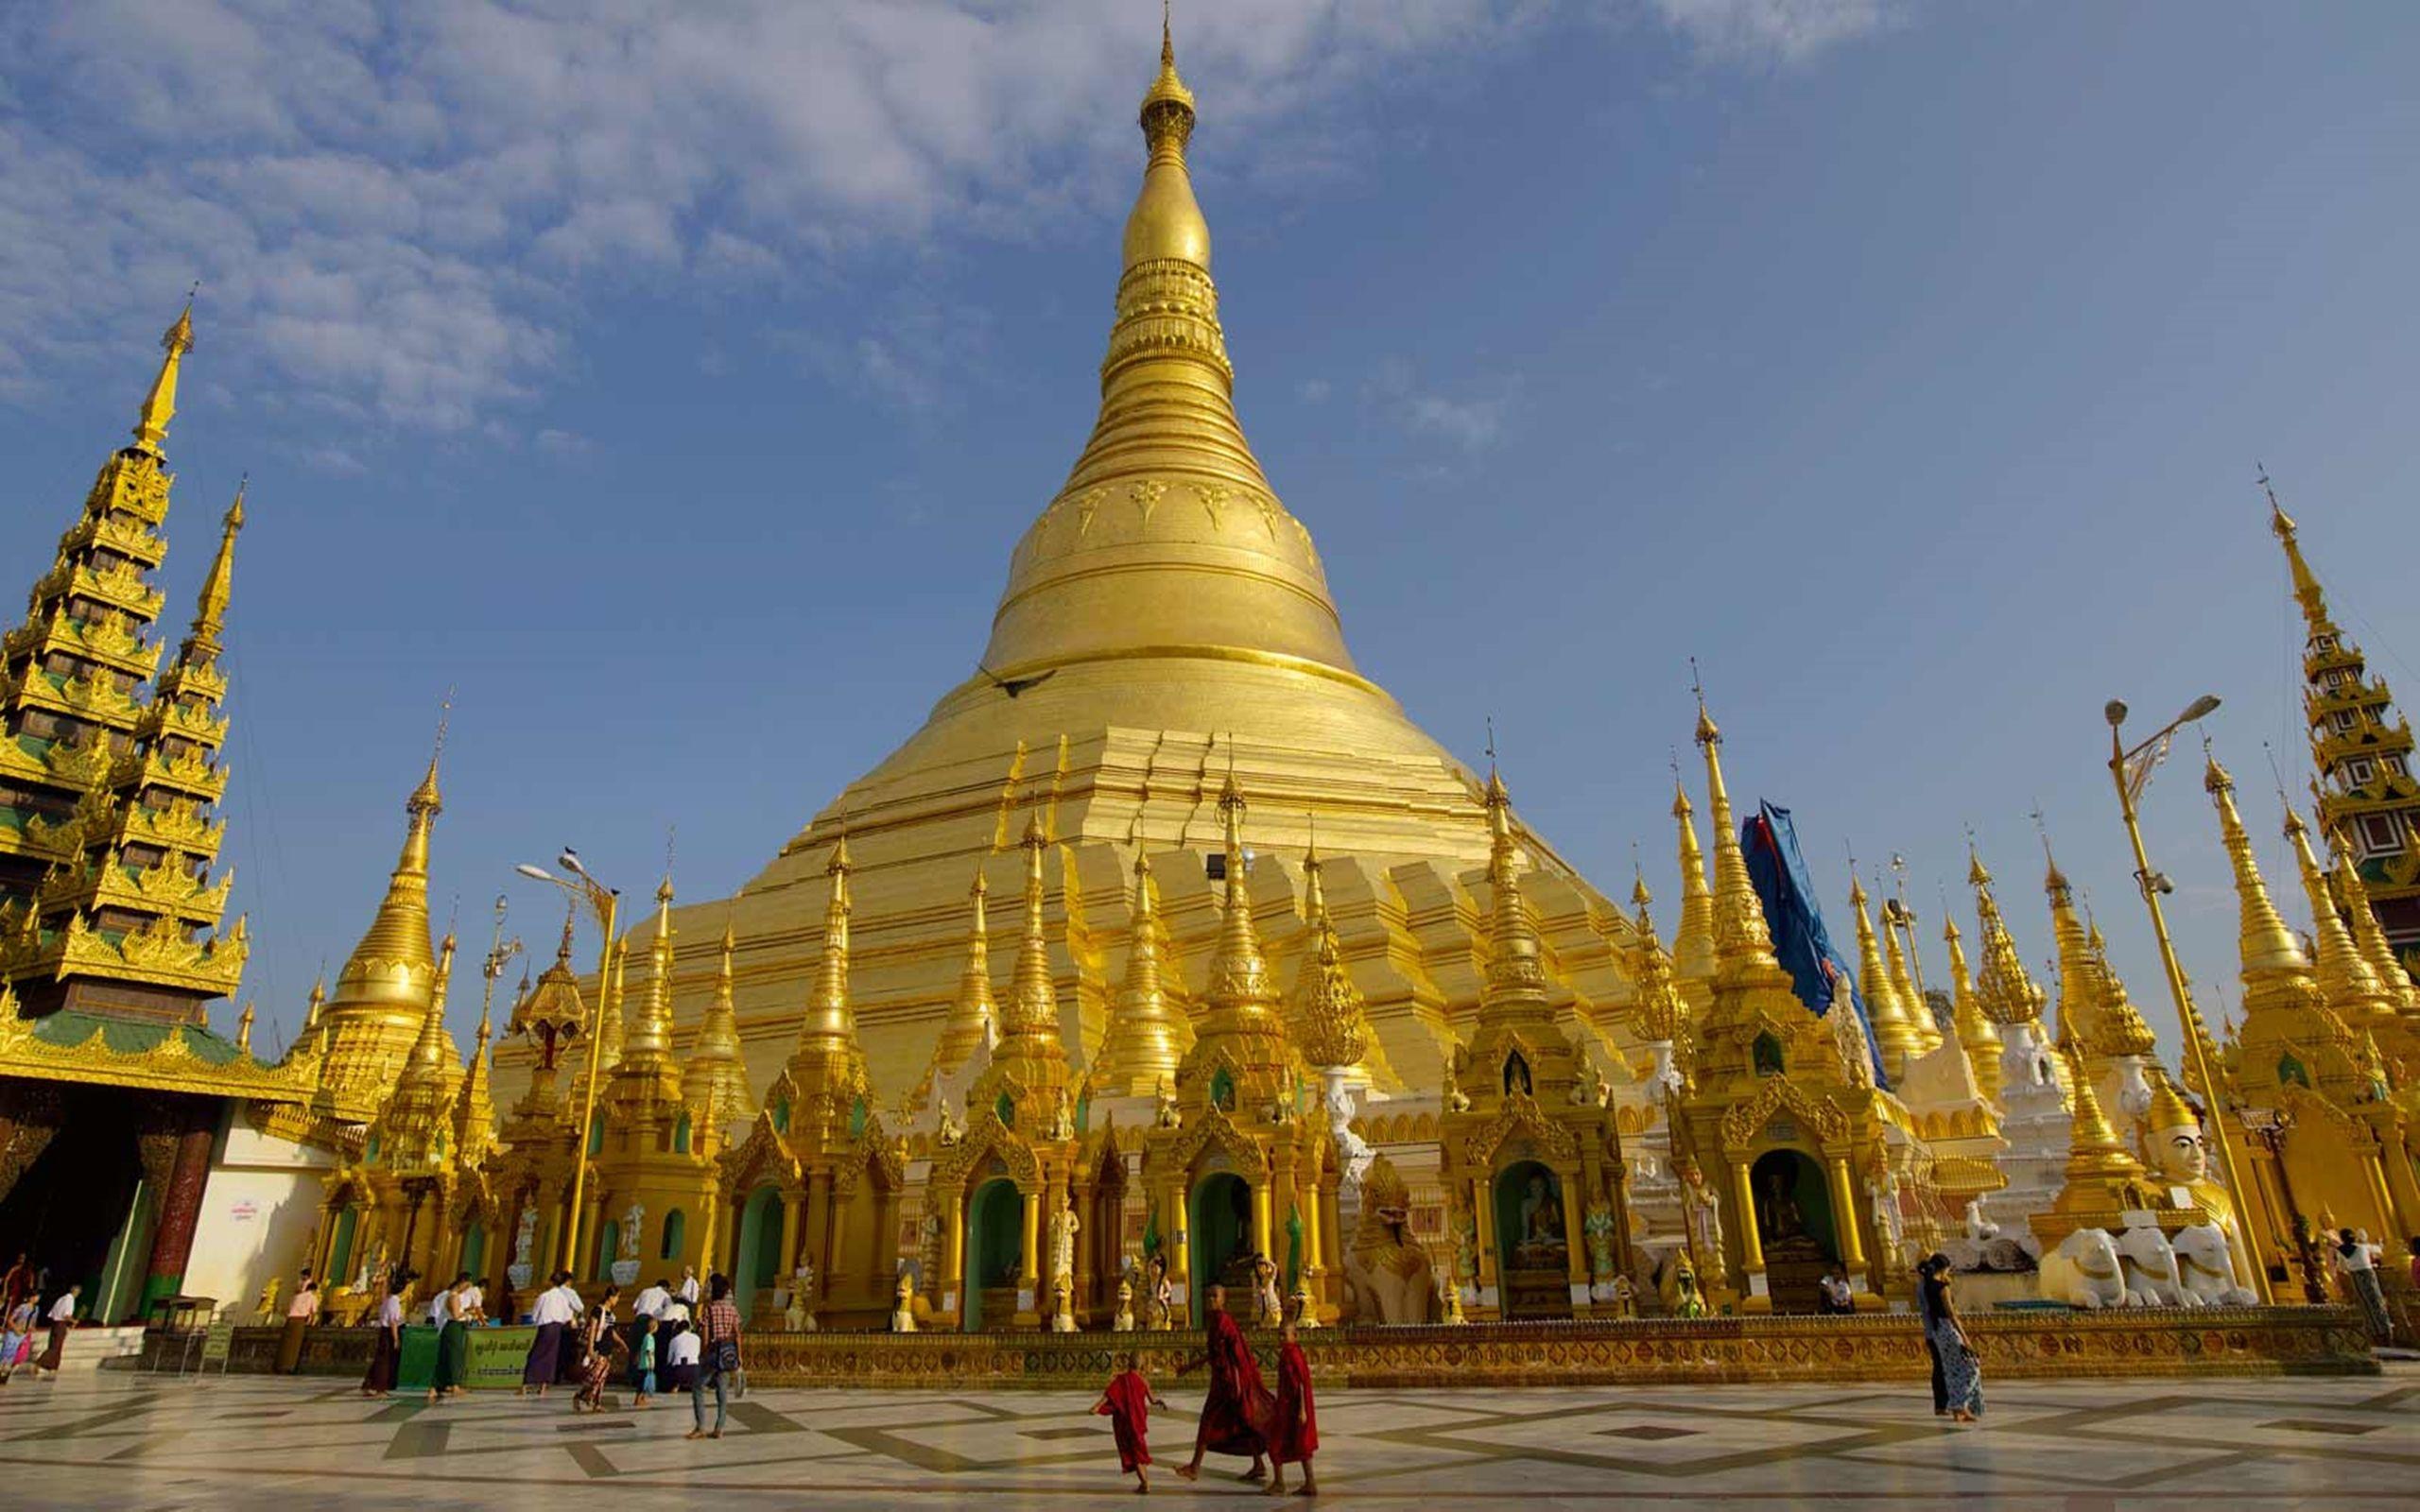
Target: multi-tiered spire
point(2348, 982)
point(713, 1074)
point(2289, 1033)
point(2004, 989)
point(645, 1089)
point(1029, 1064)
point(106, 834)
point(413, 1129)
point(1977, 1034)
point(1240, 1031)
point(827, 1058)
point(1146, 1037)
point(1329, 1021)
point(1894, 1029)
point(2362, 750)
point(973, 1018)
point(1693, 941)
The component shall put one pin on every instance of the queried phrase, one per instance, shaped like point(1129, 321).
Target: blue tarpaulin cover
point(1769, 841)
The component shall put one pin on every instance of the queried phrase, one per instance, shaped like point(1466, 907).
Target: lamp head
point(569, 861)
point(2115, 711)
point(2199, 708)
point(534, 873)
point(501, 904)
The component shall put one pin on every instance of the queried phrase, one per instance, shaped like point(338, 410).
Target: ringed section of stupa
point(1167, 622)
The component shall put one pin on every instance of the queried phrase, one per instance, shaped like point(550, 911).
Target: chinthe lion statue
point(2084, 1271)
point(1386, 1271)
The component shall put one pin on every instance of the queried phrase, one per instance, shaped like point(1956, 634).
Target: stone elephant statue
point(2085, 1271)
point(2205, 1268)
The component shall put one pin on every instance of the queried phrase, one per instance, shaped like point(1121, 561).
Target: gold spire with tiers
point(2346, 980)
point(2288, 1035)
point(1326, 1006)
point(974, 1017)
point(382, 995)
point(475, 1104)
point(1147, 1037)
point(1894, 1029)
point(2367, 934)
point(1659, 1013)
point(2005, 989)
point(1030, 1061)
point(106, 792)
point(1977, 1033)
point(1240, 1029)
point(410, 1131)
point(644, 1088)
point(1693, 938)
point(2095, 1013)
point(2362, 749)
point(2103, 1183)
point(713, 1076)
point(827, 1058)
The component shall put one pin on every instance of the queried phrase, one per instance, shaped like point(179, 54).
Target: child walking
point(1294, 1431)
point(1127, 1405)
point(645, 1363)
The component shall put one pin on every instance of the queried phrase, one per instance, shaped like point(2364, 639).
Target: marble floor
point(120, 1439)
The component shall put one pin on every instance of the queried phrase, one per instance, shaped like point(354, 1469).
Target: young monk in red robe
point(1127, 1405)
point(1235, 1419)
point(1294, 1431)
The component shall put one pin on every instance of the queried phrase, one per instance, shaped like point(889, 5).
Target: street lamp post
point(606, 904)
point(2129, 781)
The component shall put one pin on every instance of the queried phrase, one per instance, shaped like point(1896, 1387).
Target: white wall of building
point(257, 1214)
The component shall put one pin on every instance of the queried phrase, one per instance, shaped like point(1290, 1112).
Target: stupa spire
point(1146, 1037)
point(1515, 989)
point(2265, 944)
point(2346, 979)
point(1742, 942)
point(2307, 594)
point(160, 405)
point(1693, 941)
point(2004, 989)
point(1894, 1032)
point(200, 648)
point(1658, 1012)
point(383, 991)
point(475, 1104)
point(973, 1013)
point(650, 1037)
point(1166, 539)
point(713, 1075)
point(1977, 1034)
point(2367, 934)
point(1031, 1052)
point(830, 1025)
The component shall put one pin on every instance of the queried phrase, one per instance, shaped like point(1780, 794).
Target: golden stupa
point(1167, 623)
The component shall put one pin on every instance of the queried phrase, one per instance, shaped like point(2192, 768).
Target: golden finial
point(160, 405)
point(244, 1030)
point(2009, 996)
point(829, 1017)
point(2346, 979)
point(2307, 592)
point(1895, 1030)
point(210, 605)
point(1743, 941)
point(2266, 943)
point(425, 799)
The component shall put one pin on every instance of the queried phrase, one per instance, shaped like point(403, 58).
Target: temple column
point(953, 1276)
point(791, 1201)
point(835, 1241)
point(1575, 1252)
point(1491, 1291)
point(2403, 1193)
point(1088, 1211)
point(1845, 1224)
point(1260, 1204)
point(1029, 1267)
point(592, 1238)
point(1333, 1248)
point(1181, 1262)
point(1752, 1248)
point(179, 1208)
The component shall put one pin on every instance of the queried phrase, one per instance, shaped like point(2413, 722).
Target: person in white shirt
point(62, 1323)
point(652, 1301)
point(553, 1312)
point(680, 1360)
point(441, 1309)
point(689, 1284)
point(389, 1348)
point(471, 1306)
point(2357, 1261)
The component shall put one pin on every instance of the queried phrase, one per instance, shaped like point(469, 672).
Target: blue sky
point(673, 386)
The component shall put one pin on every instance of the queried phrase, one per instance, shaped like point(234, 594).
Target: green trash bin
point(416, 1370)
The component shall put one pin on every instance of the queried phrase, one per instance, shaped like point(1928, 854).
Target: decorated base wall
point(2039, 1345)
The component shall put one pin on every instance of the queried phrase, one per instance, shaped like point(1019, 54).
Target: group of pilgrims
point(576, 1345)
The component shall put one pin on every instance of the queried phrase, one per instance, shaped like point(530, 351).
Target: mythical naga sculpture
point(1386, 1270)
point(2084, 1271)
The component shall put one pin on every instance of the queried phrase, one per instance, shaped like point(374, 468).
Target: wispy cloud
point(399, 208)
point(1789, 31)
point(1471, 418)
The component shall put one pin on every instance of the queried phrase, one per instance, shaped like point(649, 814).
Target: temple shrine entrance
point(1532, 1242)
point(995, 1253)
point(1794, 1223)
point(79, 1212)
point(1221, 1250)
point(1103, 1239)
point(759, 1250)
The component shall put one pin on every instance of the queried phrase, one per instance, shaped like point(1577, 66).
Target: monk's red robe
point(1294, 1433)
point(1235, 1419)
point(1129, 1408)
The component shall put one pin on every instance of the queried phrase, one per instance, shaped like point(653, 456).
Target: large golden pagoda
point(1165, 621)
